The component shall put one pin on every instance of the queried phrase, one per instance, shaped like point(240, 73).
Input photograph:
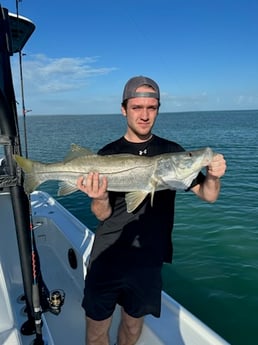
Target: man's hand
point(93, 186)
point(210, 188)
point(96, 189)
point(217, 167)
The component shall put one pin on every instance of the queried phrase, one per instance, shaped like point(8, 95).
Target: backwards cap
point(132, 85)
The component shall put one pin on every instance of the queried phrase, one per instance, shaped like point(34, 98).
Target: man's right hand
point(93, 186)
point(96, 189)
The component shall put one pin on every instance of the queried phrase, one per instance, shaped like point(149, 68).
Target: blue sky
point(203, 53)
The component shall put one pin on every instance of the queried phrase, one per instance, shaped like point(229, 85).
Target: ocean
point(214, 273)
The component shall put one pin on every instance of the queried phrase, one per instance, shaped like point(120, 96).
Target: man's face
point(141, 113)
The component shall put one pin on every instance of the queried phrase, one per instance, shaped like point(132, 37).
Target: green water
point(214, 271)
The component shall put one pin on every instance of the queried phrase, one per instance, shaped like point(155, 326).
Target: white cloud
point(184, 101)
point(42, 74)
point(251, 100)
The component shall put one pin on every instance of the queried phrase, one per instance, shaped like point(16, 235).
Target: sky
point(202, 53)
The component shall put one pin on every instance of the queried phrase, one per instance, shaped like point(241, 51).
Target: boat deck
point(57, 232)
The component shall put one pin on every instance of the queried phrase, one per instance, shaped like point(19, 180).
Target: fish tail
point(31, 180)
point(24, 163)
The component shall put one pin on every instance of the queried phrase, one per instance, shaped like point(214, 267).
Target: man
point(130, 248)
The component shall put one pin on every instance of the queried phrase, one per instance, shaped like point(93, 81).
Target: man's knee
point(97, 331)
point(131, 326)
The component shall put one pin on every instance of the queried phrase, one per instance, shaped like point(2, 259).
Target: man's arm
point(209, 189)
point(97, 190)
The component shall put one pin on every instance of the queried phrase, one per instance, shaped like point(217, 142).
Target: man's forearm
point(209, 190)
point(101, 208)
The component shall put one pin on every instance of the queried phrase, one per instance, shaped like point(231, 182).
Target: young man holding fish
point(130, 248)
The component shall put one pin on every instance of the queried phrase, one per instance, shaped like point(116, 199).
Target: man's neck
point(137, 138)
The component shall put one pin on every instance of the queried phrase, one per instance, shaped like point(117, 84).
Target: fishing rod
point(34, 258)
point(24, 111)
point(11, 140)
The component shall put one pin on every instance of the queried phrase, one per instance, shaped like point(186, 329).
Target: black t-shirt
point(142, 237)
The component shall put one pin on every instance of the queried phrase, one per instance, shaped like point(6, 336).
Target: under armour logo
point(144, 152)
point(136, 242)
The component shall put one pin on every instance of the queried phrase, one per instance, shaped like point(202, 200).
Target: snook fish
point(137, 176)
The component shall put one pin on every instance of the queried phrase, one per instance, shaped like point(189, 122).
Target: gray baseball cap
point(134, 83)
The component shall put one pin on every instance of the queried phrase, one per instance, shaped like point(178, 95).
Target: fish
point(136, 176)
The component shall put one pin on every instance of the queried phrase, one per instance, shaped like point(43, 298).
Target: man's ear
point(123, 110)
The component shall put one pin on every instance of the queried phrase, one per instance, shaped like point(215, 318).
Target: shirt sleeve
point(198, 180)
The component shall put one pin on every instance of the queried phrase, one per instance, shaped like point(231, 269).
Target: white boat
point(63, 244)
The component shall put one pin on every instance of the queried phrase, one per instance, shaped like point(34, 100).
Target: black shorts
point(136, 289)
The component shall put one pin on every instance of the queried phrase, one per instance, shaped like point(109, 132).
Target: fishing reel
point(56, 300)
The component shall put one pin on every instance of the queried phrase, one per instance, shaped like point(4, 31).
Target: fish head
point(182, 167)
point(195, 160)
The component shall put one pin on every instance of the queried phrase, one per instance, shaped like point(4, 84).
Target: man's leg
point(130, 329)
point(97, 331)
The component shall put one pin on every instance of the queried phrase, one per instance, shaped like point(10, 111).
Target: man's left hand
point(217, 167)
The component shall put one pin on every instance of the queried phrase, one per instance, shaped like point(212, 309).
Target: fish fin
point(152, 196)
point(66, 188)
point(77, 151)
point(30, 181)
point(24, 163)
point(134, 199)
point(154, 183)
